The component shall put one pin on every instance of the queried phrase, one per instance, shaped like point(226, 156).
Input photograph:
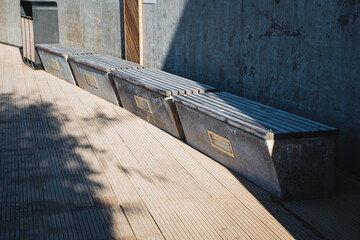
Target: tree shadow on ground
point(49, 182)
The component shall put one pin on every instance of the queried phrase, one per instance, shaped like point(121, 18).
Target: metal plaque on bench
point(54, 59)
point(92, 73)
point(290, 156)
point(148, 94)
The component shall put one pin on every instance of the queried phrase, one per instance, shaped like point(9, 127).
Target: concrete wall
point(302, 56)
point(10, 31)
point(87, 23)
point(91, 24)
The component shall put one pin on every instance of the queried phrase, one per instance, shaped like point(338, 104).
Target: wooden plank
point(216, 187)
point(32, 41)
point(133, 31)
point(177, 209)
point(141, 33)
point(142, 224)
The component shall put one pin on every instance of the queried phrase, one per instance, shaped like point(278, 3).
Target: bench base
point(150, 106)
point(56, 65)
point(290, 169)
point(95, 81)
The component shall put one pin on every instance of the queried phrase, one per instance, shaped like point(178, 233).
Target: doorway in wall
point(39, 24)
point(133, 31)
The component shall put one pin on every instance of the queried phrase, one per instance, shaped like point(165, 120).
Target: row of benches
point(290, 156)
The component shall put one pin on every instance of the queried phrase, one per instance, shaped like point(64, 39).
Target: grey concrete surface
point(302, 57)
point(10, 25)
point(91, 24)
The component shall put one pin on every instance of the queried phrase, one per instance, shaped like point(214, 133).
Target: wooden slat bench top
point(162, 82)
point(63, 50)
point(104, 62)
point(256, 118)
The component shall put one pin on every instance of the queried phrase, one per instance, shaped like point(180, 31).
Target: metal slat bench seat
point(288, 155)
point(92, 73)
point(54, 59)
point(148, 94)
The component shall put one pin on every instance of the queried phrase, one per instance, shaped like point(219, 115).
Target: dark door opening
point(39, 24)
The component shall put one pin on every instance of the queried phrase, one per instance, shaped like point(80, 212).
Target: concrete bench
point(92, 73)
point(54, 59)
point(148, 94)
point(290, 156)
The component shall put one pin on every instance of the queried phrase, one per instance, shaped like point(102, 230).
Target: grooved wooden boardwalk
point(73, 166)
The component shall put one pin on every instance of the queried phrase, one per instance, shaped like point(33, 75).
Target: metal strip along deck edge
point(259, 126)
point(162, 82)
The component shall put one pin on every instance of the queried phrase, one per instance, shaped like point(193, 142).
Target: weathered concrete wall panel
point(86, 23)
point(303, 56)
point(91, 24)
point(10, 25)
point(71, 25)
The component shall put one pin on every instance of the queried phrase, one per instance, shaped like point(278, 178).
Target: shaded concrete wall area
point(302, 56)
point(10, 29)
point(85, 23)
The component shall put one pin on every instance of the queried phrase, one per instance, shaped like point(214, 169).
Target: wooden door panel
point(133, 30)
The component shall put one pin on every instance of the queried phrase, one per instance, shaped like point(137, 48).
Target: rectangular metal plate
point(91, 80)
point(221, 143)
point(54, 65)
point(142, 103)
point(149, 1)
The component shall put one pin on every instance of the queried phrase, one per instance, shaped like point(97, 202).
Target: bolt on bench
point(148, 94)
point(92, 73)
point(54, 59)
point(290, 156)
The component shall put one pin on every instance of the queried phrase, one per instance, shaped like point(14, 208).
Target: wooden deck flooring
point(73, 166)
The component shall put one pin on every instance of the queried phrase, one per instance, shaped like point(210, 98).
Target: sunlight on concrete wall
point(301, 57)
